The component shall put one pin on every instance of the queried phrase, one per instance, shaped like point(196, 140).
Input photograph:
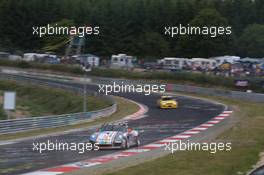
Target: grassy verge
point(247, 142)
point(2, 113)
point(40, 101)
point(124, 108)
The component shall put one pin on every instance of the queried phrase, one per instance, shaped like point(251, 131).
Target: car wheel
point(125, 144)
point(137, 142)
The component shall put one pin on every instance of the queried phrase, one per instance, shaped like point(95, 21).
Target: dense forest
point(136, 27)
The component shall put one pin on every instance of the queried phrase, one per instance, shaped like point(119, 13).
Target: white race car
point(114, 136)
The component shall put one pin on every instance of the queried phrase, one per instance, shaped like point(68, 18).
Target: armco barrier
point(26, 124)
point(254, 97)
point(27, 80)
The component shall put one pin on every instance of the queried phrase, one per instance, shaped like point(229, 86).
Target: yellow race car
point(166, 102)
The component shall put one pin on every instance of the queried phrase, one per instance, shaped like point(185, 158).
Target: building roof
point(4, 53)
point(252, 60)
point(173, 58)
point(226, 57)
point(87, 55)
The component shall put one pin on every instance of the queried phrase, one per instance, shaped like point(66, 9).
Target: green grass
point(40, 100)
point(247, 142)
point(2, 113)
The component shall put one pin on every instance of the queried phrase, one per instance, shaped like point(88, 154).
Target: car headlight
point(93, 137)
point(119, 138)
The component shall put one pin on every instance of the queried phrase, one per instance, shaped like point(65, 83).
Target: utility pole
point(84, 90)
point(75, 46)
point(86, 68)
point(84, 94)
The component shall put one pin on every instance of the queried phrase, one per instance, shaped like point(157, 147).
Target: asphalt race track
point(19, 157)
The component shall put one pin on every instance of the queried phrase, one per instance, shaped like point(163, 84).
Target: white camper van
point(173, 63)
point(122, 61)
point(90, 59)
point(203, 63)
point(30, 56)
point(225, 59)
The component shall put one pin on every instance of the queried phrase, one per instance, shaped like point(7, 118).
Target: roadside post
point(76, 44)
point(87, 68)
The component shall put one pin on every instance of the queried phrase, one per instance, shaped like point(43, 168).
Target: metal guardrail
point(254, 97)
point(28, 80)
point(27, 124)
point(25, 79)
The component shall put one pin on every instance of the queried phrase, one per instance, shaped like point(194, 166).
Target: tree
point(205, 45)
point(153, 44)
point(132, 26)
point(251, 42)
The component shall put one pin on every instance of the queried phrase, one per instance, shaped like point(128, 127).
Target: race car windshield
point(112, 128)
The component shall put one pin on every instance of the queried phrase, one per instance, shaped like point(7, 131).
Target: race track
point(19, 158)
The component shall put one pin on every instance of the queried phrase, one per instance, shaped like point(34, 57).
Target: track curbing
point(133, 151)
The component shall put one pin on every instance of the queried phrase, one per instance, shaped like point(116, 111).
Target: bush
point(23, 64)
